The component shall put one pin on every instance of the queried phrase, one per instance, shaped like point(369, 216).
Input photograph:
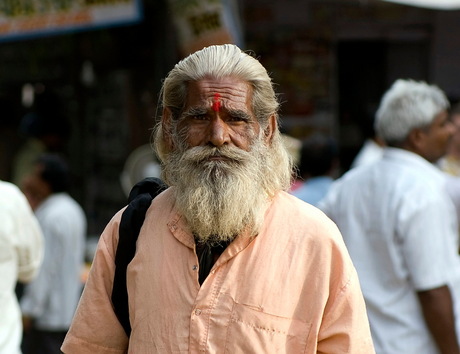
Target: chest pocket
point(264, 333)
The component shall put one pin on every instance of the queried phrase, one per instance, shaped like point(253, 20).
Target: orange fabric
point(292, 289)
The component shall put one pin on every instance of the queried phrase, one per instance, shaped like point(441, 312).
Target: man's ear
point(166, 126)
point(416, 139)
point(269, 131)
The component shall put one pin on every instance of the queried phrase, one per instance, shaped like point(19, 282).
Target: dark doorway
point(366, 69)
point(362, 76)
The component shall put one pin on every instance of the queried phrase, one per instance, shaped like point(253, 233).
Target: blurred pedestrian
point(318, 167)
point(400, 227)
point(49, 302)
point(46, 129)
point(21, 253)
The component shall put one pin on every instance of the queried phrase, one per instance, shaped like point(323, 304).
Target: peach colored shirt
point(291, 289)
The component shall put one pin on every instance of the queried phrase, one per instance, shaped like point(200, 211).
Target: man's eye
point(200, 117)
point(237, 119)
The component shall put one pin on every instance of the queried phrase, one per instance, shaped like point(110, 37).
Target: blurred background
point(82, 77)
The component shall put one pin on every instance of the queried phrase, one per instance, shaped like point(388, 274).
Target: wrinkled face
point(436, 137)
point(218, 113)
point(220, 161)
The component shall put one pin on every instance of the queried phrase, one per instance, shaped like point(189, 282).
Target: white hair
point(220, 61)
point(408, 105)
point(216, 62)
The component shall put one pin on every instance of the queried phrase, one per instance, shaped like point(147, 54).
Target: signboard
point(201, 23)
point(32, 18)
point(430, 4)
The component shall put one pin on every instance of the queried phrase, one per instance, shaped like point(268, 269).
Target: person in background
point(318, 167)
point(49, 302)
point(400, 227)
point(226, 260)
point(450, 162)
point(21, 254)
point(46, 129)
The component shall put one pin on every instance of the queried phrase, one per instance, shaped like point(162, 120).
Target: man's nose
point(219, 134)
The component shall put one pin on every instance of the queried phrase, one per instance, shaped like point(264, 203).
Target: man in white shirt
point(400, 226)
point(21, 253)
point(49, 302)
point(371, 151)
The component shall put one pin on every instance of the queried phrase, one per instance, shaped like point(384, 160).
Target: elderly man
point(400, 226)
point(226, 261)
point(50, 300)
point(21, 255)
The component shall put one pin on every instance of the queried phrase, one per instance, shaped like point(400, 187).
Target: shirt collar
point(413, 159)
point(180, 230)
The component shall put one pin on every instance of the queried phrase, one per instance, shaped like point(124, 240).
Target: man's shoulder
point(293, 204)
point(354, 179)
point(300, 217)
point(299, 226)
point(10, 192)
point(63, 203)
point(8, 187)
point(162, 205)
point(60, 208)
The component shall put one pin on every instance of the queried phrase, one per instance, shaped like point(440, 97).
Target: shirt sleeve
point(428, 229)
point(95, 327)
point(26, 237)
point(345, 326)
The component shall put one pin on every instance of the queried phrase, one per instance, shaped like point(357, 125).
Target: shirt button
point(197, 312)
point(195, 267)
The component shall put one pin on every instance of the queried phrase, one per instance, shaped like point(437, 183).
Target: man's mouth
point(218, 158)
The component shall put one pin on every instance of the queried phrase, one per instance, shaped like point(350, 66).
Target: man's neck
point(208, 254)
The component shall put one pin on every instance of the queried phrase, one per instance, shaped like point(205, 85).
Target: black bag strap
point(140, 198)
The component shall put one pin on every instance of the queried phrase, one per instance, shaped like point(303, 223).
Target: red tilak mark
point(216, 104)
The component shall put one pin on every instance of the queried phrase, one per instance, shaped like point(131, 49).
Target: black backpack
point(139, 199)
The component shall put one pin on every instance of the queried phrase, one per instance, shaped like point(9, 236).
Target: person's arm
point(428, 237)
point(438, 311)
point(345, 325)
point(28, 239)
point(95, 327)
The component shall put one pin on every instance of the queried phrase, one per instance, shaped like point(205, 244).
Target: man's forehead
point(218, 92)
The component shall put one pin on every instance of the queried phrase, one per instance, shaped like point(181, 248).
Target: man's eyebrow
point(194, 111)
point(238, 113)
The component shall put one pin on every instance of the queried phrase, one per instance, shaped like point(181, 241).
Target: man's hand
point(439, 316)
point(27, 323)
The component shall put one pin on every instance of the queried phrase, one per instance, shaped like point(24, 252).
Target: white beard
point(220, 199)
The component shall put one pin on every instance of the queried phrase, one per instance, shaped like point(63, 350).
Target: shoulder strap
point(131, 222)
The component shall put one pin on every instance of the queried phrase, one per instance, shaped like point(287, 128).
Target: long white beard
point(219, 199)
